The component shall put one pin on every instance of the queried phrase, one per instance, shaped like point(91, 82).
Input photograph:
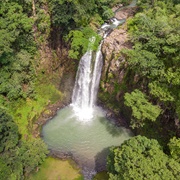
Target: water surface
point(87, 141)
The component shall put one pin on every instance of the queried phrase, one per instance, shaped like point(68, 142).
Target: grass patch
point(101, 176)
point(25, 111)
point(48, 92)
point(55, 169)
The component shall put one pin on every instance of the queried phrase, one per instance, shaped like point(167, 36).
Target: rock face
point(125, 13)
point(111, 48)
point(114, 63)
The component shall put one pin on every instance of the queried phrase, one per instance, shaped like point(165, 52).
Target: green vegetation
point(141, 158)
point(31, 32)
point(74, 14)
point(142, 110)
point(17, 157)
point(80, 41)
point(101, 175)
point(26, 111)
point(155, 55)
point(17, 49)
point(9, 132)
point(78, 21)
point(174, 146)
point(56, 169)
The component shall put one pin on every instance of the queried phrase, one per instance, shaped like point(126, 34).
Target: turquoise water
point(87, 142)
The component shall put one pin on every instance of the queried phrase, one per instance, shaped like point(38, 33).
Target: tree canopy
point(14, 29)
point(9, 135)
point(155, 34)
point(140, 158)
point(142, 110)
point(174, 146)
point(17, 157)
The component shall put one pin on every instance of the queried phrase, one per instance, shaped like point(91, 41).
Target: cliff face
point(115, 65)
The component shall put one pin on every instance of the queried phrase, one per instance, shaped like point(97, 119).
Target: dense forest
point(43, 40)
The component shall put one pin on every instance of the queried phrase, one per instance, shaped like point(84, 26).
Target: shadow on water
point(101, 159)
point(111, 127)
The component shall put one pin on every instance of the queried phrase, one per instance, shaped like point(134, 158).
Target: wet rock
point(49, 112)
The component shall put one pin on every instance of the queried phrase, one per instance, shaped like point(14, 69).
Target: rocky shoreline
point(49, 112)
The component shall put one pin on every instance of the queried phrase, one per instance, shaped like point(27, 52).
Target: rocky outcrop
point(115, 64)
point(111, 48)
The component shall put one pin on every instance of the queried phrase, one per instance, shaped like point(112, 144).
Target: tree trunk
point(152, 2)
point(34, 17)
point(34, 8)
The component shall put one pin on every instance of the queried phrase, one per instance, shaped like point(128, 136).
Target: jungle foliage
point(142, 110)
point(78, 21)
point(80, 41)
point(140, 158)
point(17, 157)
point(16, 50)
point(69, 14)
point(155, 35)
point(28, 26)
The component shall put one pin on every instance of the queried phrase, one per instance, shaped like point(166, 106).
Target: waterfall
point(88, 76)
point(87, 83)
point(96, 76)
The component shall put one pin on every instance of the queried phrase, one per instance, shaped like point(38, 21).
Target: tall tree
point(32, 154)
point(142, 110)
point(174, 146)
point(140, 158)
point(14, 29)
point(9, 135)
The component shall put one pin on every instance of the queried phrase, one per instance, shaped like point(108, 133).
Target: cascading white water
point(88, 77)
point(96, 76)
point(87, 83)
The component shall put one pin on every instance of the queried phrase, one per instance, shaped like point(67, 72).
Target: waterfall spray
point(87, 83)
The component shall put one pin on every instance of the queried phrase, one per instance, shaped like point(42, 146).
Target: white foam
point(83, 114)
